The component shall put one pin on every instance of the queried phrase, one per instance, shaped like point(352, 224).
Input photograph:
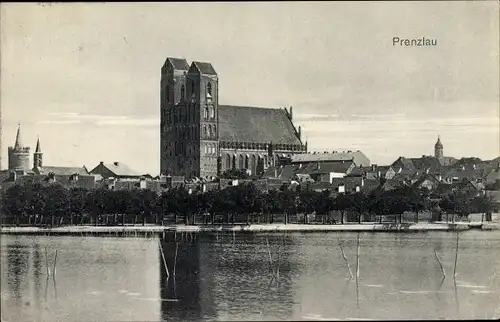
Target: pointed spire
point(38, 149)
point(438, 143)
point(18, 144)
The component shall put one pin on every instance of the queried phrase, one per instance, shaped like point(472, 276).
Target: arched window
point(209, 88)
point(209, 130)
point(206, 149)
point(241, 162)
point(215, 130)
point(183, 90)
point(212, 112)
point(205, 131)
point(205, 113)
point(246, 162)
point(228, 162)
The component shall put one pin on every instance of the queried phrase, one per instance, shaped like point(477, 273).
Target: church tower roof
point(19, 143)
point(38, 149)
point(438, 143)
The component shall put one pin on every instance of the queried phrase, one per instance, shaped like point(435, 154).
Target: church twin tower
point(189, 104)
point(19, 155)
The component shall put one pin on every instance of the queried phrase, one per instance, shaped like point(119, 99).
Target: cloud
point(99, 120)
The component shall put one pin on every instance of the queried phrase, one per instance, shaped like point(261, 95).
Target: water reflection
point(272, 276)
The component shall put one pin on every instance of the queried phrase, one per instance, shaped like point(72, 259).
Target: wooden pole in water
point(357, 274)
point(270, 257)
point(440, 264)
point(456, 257)
point(175, 257)
point(343, 255)
point(357, 261)
point(164, 260)
point(54, 268)
point(47, 262)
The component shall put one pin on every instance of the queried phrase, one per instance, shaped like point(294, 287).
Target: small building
point(117, 170)
point(357, 157)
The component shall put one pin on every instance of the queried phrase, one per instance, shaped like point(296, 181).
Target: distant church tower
point(19, 156)
point(38, 156)
point(438, 149)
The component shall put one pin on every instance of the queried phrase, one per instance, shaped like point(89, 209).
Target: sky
point(84, 77)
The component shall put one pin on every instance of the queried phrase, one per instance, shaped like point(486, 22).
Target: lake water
point(230, 277)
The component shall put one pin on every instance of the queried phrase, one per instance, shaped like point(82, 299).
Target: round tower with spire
point(19, 155)
point(38, 156)
point(438, 149)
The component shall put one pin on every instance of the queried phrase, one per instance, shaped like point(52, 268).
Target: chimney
point(116, 163)
point(374, 167)
point(291, 113)
point(300, 133)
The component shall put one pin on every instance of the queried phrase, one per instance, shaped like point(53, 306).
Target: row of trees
point(35, 204)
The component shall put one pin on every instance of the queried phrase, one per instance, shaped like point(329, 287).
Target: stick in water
point(269, 251)
point(343, 255)
point(440, 264)
point(164, 260)
point(54, 268)
point(175, 257)
point(47, 262)
point(456, 257)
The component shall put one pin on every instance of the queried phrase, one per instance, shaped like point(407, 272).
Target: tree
point(358, 202)
point(482, 204)
point(341, 203)
point(57, 205)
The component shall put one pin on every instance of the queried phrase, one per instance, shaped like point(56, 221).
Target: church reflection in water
point(217, 279)
point(181, 292)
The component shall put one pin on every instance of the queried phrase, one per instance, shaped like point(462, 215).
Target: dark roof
point(426, 163)
point(178, 63)
point(256, 125)
point(403, 162)
point(358, 157)
point(62, 170)
point(445, 161)
point(328, 167)
point(205, 68)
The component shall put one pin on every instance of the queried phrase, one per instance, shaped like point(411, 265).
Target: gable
point(177, 63)
point(256, 125)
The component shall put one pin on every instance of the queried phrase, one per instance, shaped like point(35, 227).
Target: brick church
point(200, 138)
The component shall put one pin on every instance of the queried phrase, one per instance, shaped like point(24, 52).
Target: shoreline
point(368, 227)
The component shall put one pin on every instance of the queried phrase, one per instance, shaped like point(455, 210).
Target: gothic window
point(246, 162)
point(209, 88)
point(209, 130)
point(228, 162)
point(215, 130)
point(240, 163)
point(212, 112)
point(205, 134)
point(183, 90)
point(205, 113)
point(205, 148)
